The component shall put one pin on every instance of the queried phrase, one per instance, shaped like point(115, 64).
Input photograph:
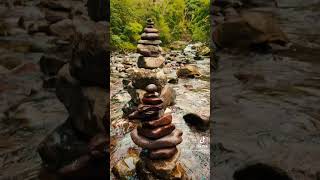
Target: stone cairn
point(158, 137)
point(149, 48)
point(78, 149)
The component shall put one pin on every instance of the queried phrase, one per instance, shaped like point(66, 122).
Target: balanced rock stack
point(149, 48)
point(158, 137)
point(78, 149)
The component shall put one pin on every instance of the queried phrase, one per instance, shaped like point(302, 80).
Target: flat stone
point(150, 30)
point(151, 62)
point(143, 77)
point(162, 153)
point(164, 120)
point(170, 140)
point(151, 95)
point(157, 132)
point(162, 168)
point(147, 116)
point(148, 50)
point(146, 108)
point(150, 36)
point(150, 42)
point(152, 101)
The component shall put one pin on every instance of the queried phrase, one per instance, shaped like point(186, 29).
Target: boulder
point(251, 28)
point(188, 71)
point(148, 50)
point(150, 62)
point(143, 77)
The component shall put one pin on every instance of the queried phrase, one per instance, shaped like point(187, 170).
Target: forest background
point(177, 20)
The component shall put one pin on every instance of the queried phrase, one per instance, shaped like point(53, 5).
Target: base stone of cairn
point(149, 48)
point(158, 137)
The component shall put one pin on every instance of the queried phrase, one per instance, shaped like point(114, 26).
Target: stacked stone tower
point(78, 148)
point(149, 48)
point(159, 139)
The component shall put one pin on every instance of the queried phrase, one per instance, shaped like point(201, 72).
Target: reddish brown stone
point(162, 153)
point(170, 140)
point(164, 120)
point(152, 101)
point(150, 36)
point(147, 108)
point(156, 132)
point(151, 95)
point(151, 30)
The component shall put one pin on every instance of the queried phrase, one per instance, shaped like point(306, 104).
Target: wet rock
point(162, 121)
point(151, 100)
point(267, 24)
point(156, 132)
point(255, 171)
point(178, 45)
point(148, 50)
point(171, 140)
point(162, 168)
point(150, 36)
point(162, 153)
point(188, 71)
point(41, 109)
point(200, 122)
point(150, 62)
point(125, 167)
point(250, 29)
point(151, 30)
point(143, 77)
point(204, 51)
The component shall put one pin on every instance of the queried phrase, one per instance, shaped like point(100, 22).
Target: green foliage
point(176, 19)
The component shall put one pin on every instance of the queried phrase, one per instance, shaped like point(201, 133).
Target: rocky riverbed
point(192, 97)
point(266, 104)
